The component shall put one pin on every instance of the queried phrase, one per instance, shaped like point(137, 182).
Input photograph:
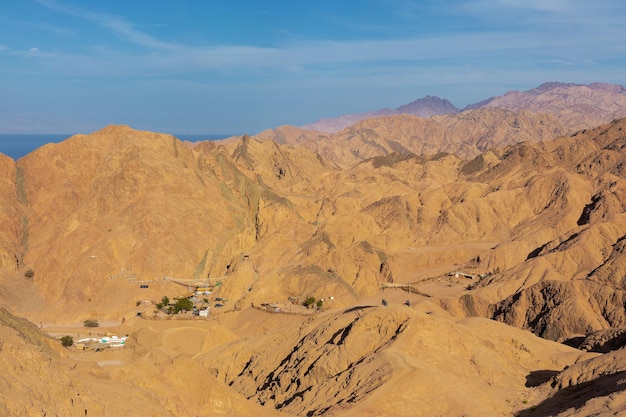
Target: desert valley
point(419, 261)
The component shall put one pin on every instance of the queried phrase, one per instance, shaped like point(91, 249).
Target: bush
point(320, 303)
point(309, 301)
point(91, 323)
point(29, 273)
point(67, 341)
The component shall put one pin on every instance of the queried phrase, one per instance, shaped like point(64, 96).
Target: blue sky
point(234, 67)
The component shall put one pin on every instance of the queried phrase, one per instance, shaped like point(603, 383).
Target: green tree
point(165, 301)
point(309, 301)
point(67, 341)
point(183, 304)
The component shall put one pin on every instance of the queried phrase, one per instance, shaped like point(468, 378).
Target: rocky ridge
point(465, 135)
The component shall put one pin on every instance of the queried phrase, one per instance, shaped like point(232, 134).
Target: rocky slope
point(11, 215)
point(570, 283)
point(98, 213)
point(387, 361)
point(590, 388)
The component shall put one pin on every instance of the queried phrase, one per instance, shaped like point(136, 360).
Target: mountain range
point(577, 105)
point(461, 264)
point(423, 107)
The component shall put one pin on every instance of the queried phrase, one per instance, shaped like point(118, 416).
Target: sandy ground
point(421, 263)
point(431, 278)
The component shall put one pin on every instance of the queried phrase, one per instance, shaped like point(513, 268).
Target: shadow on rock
point(576, 396)
point(536, 378)
point(357, 308)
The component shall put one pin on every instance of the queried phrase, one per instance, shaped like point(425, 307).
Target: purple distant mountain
point(577, 106)
point(424, 107)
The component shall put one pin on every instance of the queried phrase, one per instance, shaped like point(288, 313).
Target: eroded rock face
point(556, 310)
point(602, 341)
point(572, 284)
point(344, 363)
point(296, 372)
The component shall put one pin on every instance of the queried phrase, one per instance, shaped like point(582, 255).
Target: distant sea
point(19, 145)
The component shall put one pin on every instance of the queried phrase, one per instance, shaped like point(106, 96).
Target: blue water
point(19, 145)
point(16, 146)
